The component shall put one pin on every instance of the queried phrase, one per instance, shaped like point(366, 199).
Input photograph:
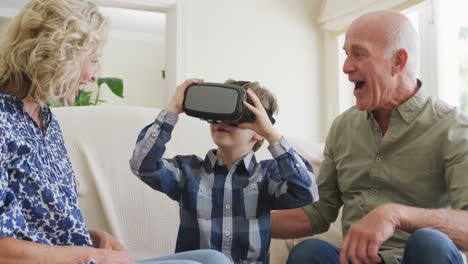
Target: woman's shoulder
point(8, 112)
point(9, 105)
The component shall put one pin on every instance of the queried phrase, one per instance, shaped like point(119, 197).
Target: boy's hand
point(177, 101)
point(262, 125)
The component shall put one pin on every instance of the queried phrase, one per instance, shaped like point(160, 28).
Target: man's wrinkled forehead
point(362, 36)
point(355, 41)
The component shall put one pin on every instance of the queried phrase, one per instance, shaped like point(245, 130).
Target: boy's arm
point(291, 180)
point(147, 163)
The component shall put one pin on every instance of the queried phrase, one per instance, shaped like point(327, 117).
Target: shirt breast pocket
point(204, 202)
point(251, 200)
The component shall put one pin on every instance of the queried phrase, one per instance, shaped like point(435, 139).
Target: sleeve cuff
point(313, 215)
point(168, 117)
point(279, 148)
point(389, 256)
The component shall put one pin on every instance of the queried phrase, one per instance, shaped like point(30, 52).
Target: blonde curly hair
point(266, 97)
point(44, 46)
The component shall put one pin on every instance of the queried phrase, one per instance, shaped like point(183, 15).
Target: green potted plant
point(86, 97)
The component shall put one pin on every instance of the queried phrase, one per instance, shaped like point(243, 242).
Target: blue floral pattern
point(38, 195)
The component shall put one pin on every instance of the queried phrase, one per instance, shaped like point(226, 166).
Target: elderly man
point(397, 161)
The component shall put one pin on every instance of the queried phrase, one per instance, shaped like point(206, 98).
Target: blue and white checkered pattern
point(228, 211)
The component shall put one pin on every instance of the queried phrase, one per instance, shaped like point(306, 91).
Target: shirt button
point(227, 233)
point(378, 159)
point(228, 206)
point(375, 191)
point(297, 165)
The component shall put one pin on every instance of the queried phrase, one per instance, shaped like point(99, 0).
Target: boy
point(226, 198)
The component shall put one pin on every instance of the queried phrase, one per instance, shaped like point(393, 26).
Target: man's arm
point(292, 223)
point(364, 237)
point(452, 222)
point(25, 252)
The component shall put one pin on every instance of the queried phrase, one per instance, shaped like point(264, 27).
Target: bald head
point(392, 31)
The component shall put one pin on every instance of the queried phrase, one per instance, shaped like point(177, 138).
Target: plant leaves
point(55, 104)
point(84, 99)
point(114, 84)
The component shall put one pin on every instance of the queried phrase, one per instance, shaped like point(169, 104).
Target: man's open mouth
point(359, 84)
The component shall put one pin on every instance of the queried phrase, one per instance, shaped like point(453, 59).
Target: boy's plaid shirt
point(228, 211)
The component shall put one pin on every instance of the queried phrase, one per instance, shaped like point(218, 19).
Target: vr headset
point(217, 102)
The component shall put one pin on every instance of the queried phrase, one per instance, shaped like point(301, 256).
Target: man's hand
point(262, 124)
point(104, 240)
point(176, 104)
point(362, 243)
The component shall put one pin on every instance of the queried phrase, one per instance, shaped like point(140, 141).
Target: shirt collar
point(248, 161)
point(409, 109)
point(45, 111)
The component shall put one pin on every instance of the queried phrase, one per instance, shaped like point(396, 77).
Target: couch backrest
point(100, 141)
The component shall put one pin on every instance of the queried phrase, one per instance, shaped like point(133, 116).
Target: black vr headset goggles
point(218, 102)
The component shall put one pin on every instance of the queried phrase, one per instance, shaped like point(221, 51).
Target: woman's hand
point(177, 101)
point(104, 240)
point(106, 256)
point(108, 249)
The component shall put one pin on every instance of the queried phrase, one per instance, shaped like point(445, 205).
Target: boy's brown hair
point(267, 98)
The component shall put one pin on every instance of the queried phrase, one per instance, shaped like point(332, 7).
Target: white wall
point(3, 22)
point(139, 63)
point(135, 52)
point(275, 42)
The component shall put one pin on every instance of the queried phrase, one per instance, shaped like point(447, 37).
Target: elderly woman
point(50, 50)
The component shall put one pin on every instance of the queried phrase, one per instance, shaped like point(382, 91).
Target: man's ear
point(400, 58)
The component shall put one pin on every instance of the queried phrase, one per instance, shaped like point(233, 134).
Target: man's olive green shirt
point(421, 161)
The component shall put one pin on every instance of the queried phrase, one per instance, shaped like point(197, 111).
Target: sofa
point(100, 140)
